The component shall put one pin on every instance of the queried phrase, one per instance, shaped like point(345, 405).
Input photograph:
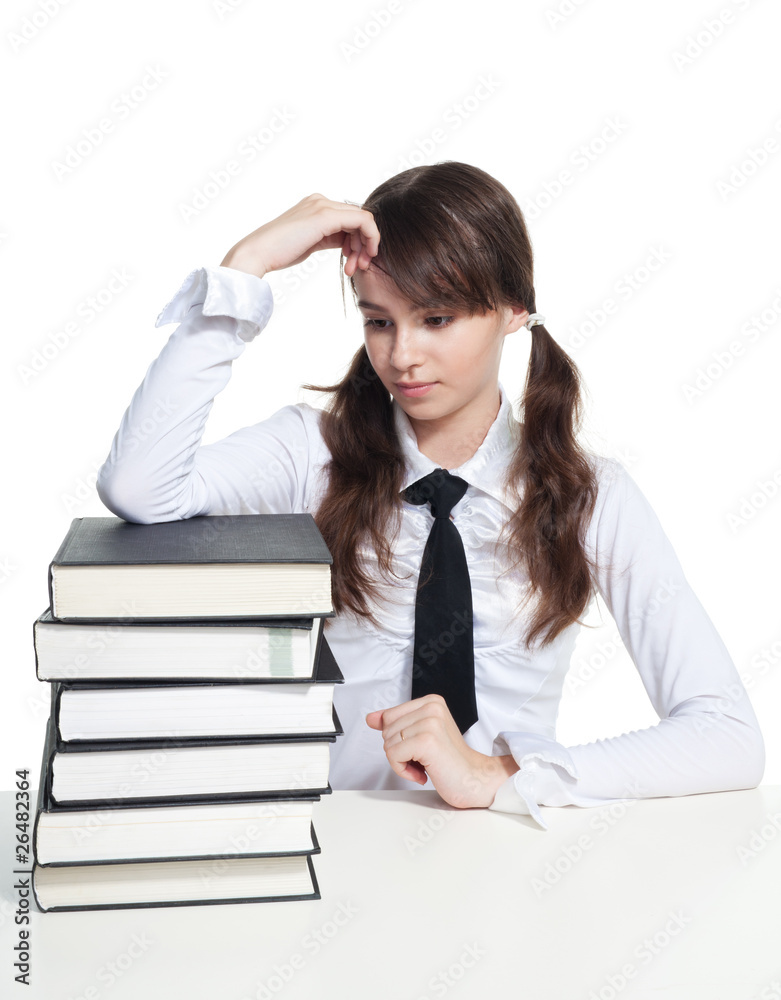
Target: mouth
point(414, 388)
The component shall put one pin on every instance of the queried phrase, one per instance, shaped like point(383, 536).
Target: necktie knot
point(440, 489)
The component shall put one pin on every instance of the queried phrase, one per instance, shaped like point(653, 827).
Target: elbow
point(756, 761)
point(749, 756)
point(125, 497)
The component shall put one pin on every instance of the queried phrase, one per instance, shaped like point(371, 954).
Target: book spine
point(55, 715)
point(59, 555)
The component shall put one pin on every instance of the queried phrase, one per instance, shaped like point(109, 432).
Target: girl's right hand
point(315, 223)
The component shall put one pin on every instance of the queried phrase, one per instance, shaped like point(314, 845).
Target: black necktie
point(443, 660)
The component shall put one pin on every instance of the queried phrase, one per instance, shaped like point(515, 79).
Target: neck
point(452, 440)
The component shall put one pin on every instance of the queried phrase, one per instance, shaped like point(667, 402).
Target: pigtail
point(364, 480)
point(558, 490)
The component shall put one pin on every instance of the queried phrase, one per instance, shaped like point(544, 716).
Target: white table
point(419, 900)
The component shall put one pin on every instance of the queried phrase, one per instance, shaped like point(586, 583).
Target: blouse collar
point(485, 470)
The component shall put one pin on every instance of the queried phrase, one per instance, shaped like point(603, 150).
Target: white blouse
point(708, 738)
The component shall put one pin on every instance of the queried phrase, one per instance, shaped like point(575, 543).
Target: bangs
point(432, 253)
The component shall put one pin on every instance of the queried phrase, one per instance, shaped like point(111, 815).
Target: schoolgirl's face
point(437, 364)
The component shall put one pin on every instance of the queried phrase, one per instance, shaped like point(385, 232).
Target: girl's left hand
point(433, 745)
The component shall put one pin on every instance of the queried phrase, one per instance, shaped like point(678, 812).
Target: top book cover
point(238, 566)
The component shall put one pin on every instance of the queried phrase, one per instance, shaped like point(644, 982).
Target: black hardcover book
point(110, 883)
point(175, 883)
point(116, 833)
point(86, 711)
point(172, 770)
point(240, 566)
point(214, 649)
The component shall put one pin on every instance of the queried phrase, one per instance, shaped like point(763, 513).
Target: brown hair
point(452, 234)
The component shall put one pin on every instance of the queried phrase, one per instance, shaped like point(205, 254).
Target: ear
point(515, 317)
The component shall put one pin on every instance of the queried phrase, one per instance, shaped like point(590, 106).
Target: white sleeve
point(708, 738)
point(156, 470)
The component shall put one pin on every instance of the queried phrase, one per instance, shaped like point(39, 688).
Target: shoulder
point(297, 416)
point(291, 435)
point(622, 511)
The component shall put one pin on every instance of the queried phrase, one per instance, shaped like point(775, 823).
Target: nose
point(406, 348)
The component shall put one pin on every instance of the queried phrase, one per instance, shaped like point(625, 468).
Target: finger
point(430, 706)
point(404, 759)
point(374, 719)
point(358, 220)
point(413, 770)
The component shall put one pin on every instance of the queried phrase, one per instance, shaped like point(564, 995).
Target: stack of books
point(192, 712)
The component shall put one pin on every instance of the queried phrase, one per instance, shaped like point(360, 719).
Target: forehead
point(376, 290)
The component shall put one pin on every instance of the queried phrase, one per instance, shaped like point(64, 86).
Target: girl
point(440, 262)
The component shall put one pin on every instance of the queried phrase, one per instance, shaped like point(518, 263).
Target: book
point(90, 711)
point(174, 883)
point(240, 566)
point(211, 649)
point(171, 771)
point(115, 834)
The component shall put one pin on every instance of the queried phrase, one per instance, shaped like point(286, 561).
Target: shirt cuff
point(223, 291)
point(537, 780)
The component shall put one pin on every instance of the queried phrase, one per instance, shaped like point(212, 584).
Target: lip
point(413, 389)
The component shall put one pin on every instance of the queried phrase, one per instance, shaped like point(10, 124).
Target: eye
point(436, 322)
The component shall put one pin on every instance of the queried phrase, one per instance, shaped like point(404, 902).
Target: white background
point(518, 90)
